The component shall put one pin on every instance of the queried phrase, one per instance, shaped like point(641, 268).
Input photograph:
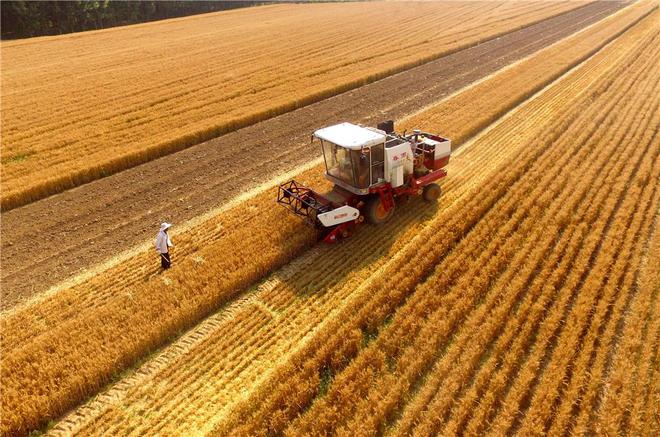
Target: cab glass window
point(338, 162)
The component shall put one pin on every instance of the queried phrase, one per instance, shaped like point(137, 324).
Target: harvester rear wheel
point(375, 211)
point(431, 192)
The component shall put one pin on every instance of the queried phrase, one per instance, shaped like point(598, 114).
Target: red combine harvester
point(370, 168)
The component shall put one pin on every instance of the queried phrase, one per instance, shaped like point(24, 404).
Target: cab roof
point(351, 136)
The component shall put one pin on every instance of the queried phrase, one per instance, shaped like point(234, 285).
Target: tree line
point(23, 19)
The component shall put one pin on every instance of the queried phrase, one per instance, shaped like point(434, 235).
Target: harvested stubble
point(312, 324)
point(81, 106)
point(130, 318)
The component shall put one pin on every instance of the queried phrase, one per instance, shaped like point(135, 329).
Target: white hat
point(165, 225)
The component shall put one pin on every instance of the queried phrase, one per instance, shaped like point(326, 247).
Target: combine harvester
point(370, 169)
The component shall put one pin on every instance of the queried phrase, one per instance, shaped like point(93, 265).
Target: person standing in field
point(163, 244)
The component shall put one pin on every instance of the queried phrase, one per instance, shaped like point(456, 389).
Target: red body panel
point(440, 163)
point(428, 178)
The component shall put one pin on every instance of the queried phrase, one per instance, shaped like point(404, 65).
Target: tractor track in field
point(57, 237)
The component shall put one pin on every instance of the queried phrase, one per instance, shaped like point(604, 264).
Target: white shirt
point(163, 242)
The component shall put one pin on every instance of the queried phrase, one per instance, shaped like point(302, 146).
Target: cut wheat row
point(529, 371)
point(256, 415)
point(466, 351)
point(484, 393)
point(547, 377)
point(371, 408)
point(501, 380)
point(598, 170)
point(629, 387)
point(587, 370)
point(486, 399)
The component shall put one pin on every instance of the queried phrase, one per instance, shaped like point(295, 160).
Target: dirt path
point(50, 240)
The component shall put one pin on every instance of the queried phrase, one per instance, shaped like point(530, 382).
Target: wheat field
point(79, 107)
point(511, 325)
point(515, 305)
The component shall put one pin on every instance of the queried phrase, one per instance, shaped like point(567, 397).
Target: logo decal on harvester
point(341, 215)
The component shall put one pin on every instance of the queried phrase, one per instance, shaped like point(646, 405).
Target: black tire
point(374, 211)
point(431, 192)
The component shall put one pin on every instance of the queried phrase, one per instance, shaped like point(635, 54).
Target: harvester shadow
point(354, 259)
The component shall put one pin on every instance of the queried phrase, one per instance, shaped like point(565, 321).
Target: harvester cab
point(369, 169)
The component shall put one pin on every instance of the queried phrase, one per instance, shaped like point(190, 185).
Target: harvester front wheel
point(375, 211)
point(431, 192)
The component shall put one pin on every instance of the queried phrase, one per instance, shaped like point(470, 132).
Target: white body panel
point(442, 148)
point(340, 215)
point(351, 136)
point(396, 176)
point(398, 163)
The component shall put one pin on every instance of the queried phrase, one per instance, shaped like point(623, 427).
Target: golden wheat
point(79, 107)
point(317, 319)
point(382, 375)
